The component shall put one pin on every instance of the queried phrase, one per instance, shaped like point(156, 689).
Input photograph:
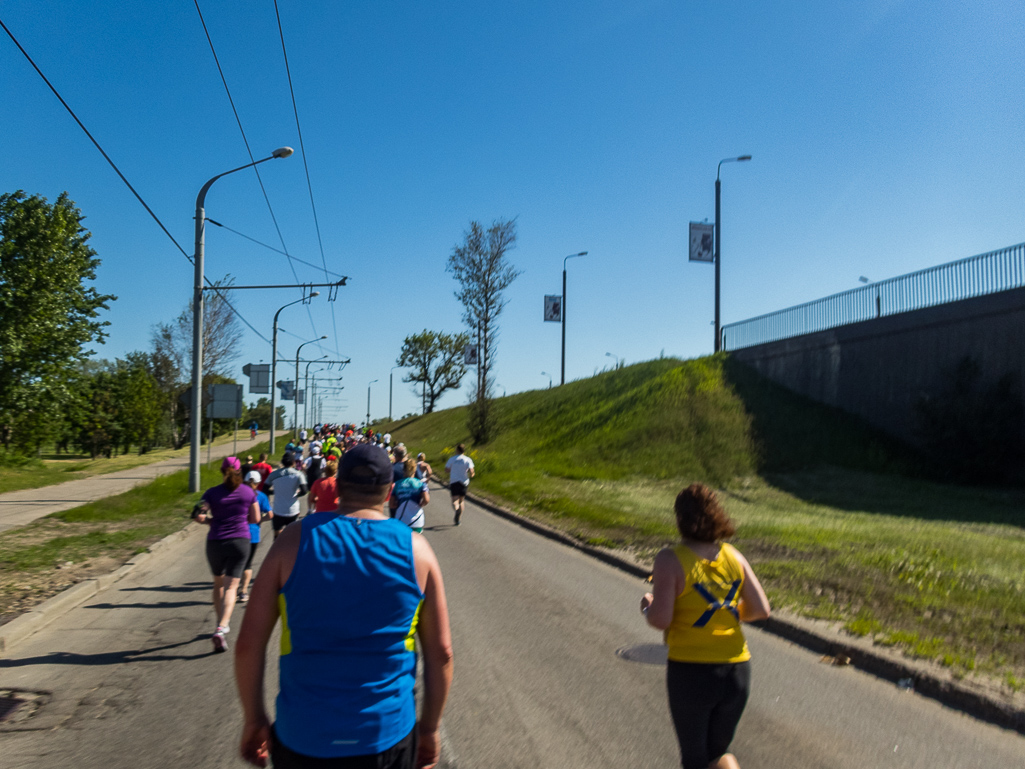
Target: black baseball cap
point(365, 464)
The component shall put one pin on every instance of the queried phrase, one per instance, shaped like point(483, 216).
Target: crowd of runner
point(358, 591)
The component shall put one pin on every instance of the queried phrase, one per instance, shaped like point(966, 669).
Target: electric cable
point(276, 250)
point(306, 167)
point(124, 178)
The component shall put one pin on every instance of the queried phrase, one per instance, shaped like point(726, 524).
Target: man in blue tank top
point(356, 592)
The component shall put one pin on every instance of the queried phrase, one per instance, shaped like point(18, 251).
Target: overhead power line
point(306, 167)
point(121, 175)
point(276, 250)
point(245, 141)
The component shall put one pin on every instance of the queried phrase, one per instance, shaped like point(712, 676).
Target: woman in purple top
point(228, 508)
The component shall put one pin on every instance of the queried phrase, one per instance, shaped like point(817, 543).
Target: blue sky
point(887, 137)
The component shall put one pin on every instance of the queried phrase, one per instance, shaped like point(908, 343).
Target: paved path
point(538, 683)
point(20, 507)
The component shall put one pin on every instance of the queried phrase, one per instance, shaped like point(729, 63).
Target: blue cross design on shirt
point(714, 604)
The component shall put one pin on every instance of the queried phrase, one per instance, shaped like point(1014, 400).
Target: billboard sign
point(702, 238)
point(553, 308)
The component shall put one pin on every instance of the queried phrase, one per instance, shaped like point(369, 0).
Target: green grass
point(18, 473)
point(841, 522)
point(34, 558)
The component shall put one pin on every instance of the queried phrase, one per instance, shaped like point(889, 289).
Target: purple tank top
point(230, 511)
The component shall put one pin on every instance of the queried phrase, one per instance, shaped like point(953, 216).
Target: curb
point(948, 693)
point(41, 615)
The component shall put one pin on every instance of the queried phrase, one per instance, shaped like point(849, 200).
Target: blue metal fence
point(975, 276)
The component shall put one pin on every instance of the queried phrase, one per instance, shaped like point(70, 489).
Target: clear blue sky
point(887, 136)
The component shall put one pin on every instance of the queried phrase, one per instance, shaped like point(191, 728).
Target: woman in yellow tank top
point(702, 589)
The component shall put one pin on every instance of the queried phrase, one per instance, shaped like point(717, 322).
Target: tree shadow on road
point(111, 658)
point(188, 587)
point(158, 605)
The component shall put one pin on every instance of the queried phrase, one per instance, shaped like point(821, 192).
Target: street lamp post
point(615, 358)
point(274, 372)
point(197, 317)
point(368, 400)
point(562, 381)
point(545, 373)
point(306, 388)
point(295, 393)
point(740, 159)
point(390, 373)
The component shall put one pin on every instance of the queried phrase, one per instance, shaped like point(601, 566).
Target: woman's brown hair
point(409, 467)
point(330, 469)
point(232, 478)
point(700, 516)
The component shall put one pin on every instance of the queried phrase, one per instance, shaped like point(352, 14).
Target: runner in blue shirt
point(253, 479)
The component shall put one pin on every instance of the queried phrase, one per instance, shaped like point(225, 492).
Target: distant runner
point(409, 497)
point(460, 471)
point(228, 509)
point(252, 480)
point(286, 484)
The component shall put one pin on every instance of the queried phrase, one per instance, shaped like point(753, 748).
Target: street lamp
point(615, 358)
point(741, 159)
point(306, 388)
point(879, 304)
point(545, 373)
point(368, 400)
point(571, 256)
point(197, 317)
point(274, 372)
point(390, 373)
point(295, 415)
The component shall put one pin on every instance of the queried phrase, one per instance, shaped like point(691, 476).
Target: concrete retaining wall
point(879, 368)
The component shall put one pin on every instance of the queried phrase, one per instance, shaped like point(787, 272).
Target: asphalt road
point(538, 682)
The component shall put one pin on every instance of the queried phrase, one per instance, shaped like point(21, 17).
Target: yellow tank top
point(706, 626)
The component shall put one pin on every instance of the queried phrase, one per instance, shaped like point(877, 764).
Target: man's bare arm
point(436, 642)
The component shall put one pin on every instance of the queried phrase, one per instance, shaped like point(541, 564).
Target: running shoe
point(243, 596)
point(220, 644)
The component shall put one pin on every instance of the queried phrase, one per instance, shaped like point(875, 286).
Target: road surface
point(538, 683)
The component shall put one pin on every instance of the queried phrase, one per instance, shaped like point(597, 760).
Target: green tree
point(435, 360)
point(48, 314)
point(480, 266)
point(260, 413)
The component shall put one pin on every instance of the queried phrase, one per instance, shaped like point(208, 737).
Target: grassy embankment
point(52, 553)
point(18, 473)
point(838, 519)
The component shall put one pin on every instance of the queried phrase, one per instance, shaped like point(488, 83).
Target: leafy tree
point(260, 413)
point(48, 315)
point(483, 271)
point(436, 362)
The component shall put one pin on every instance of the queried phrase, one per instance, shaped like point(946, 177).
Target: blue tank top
point(348, 657)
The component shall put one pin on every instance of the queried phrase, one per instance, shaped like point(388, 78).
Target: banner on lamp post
point(553, 308)
point(702, 238)
point(470, 355)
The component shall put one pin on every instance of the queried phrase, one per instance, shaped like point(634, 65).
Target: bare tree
point(483, 272)
point(172, 350)
point(436, 362)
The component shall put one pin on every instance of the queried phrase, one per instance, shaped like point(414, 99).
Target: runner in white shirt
point(460, 471)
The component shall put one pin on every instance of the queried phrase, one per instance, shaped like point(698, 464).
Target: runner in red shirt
point(263, 469)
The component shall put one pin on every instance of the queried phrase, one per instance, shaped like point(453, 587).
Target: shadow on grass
point(855, 491)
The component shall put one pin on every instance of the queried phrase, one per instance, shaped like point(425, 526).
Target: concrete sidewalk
point(18, 508)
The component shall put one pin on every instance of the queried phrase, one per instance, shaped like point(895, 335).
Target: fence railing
point(975, 276)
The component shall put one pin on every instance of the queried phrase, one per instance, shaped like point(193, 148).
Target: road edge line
point(948, 693)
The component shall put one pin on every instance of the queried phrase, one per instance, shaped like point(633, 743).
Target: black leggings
point(706, 702)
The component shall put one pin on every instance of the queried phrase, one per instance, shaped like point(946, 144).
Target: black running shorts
point(402, 755)
point(281, 521)
point(227, 557)
point(457, 489)
point(706, 702)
